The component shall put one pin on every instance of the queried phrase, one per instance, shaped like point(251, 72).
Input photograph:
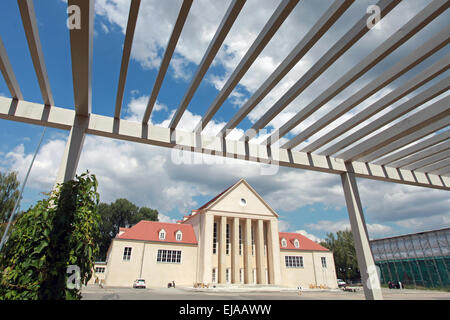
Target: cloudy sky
point(308, 202)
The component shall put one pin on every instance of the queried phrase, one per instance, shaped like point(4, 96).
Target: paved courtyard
point(97, 293)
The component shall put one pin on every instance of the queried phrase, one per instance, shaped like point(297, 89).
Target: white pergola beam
point(437, 165)
point(128, 43)
point(276, 20)
point(429, 160)
point(366, 263)
point(324, 23)
point(443, 171)
point(126, 130)
point(427, 143)
point(387, 118)
point(173, 40)
point(81, 48)
point(28, 15)
point(72, 151)
point(410, 138)
point(437, 111)
point(335, 52)
point(387, 47)
point(8, 73)
point(414, 158)
point(222, 31)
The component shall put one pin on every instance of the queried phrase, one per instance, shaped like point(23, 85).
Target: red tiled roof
point(304, 242)
point(149, 231)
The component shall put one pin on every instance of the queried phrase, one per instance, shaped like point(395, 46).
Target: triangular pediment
point(241, 198)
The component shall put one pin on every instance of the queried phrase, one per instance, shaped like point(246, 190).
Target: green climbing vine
point(58, 232)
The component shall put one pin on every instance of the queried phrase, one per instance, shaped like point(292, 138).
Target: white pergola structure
point(392, 155)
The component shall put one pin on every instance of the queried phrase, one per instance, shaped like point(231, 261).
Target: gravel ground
point(94, 292)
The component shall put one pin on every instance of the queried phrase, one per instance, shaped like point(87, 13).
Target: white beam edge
point(126, 130)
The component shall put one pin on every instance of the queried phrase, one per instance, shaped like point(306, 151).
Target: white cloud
point(341, 225)
point(310, 236)
point(147, 175)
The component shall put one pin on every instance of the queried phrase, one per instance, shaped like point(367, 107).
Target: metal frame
point(420, 163)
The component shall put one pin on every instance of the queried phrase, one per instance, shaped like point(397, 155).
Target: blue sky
point(307, 201)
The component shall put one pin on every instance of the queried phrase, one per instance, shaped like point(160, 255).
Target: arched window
point(179, 235)
point(162, 234)
point(283, 242)
point(296, 243)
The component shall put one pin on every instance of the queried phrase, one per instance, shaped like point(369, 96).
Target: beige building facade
point(232, 239)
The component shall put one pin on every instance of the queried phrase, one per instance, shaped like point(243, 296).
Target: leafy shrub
point(57, 232)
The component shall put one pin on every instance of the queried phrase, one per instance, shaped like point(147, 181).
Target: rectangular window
point(169, 256)
point(127, 254)
point(227, 275)
point(324, 262)
point(100, 270)
point(215, 238)
point(214, 277)
point(227, 249)
point(293, 261)
point(241, 275)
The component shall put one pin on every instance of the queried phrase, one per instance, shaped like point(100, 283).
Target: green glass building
point(416, 260)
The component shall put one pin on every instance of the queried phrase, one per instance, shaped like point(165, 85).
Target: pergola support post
point(369, 276)
point(72, 152)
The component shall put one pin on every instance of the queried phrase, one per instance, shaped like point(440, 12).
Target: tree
point(344, 254)
point(9, 193)
point(57, 233)
point(120, 214)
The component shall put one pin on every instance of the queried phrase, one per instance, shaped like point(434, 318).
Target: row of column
point(246, 250)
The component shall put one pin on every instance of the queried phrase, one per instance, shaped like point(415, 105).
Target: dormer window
point(296, 243)
point(179, 235)
point(162, 234)
point(283, 243)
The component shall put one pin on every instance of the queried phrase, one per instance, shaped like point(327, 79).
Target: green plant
point(57, 232)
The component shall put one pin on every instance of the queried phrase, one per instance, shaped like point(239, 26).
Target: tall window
point(324, 262)
point(253, 240)
point(215, 238)
point(240, 240)
point(162, 234)
point(126, 253)
point(169, 256)
point(283, 243)
point(179, 235)
point(254, 276)
point(214, 275)
point(227, 275)
point(227, 250)
point(296, 243)
point(293, 261)
point(241, 275)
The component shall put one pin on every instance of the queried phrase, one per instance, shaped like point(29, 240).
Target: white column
point(206, 241)
point(235, 251)
point(273, 251)
point(259, 244)
point(369, 276)
point(248, 251)
point(72, 152)
point(222, 248)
